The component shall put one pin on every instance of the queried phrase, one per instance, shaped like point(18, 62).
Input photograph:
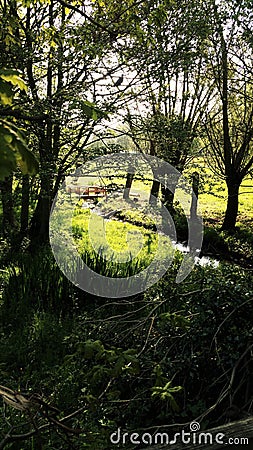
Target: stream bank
point(214, 247)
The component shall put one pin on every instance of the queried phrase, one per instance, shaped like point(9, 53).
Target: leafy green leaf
point(176, 320)
point(165, 393)
point(14, 151)
point(14, 77)
point(6, 93)
point(90, 349)
point(92, 111)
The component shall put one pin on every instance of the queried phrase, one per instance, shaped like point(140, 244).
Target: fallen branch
point(30, 405)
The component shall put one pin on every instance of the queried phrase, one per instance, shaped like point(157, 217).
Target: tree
point(229, 123)
point(14, 150)
point(68, 66)
point(175, 91)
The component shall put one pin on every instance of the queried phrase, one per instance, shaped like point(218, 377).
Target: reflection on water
point(202, 261)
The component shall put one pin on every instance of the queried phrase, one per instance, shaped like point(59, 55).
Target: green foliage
point(106, 364)
point(93, 111)
point(135, 363)
point(121, 244)
point(31, 279)
point(14, 151)
point(89, 109)
point(138, 362)
point(165, 394)
point(173, 137)
point(240, 243)
point(214, 242)
point(175, 319)
point(10, 77)
point(164, 390)
point(13, 147)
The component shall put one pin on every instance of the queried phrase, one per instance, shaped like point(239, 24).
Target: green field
point(212, 193)
point(134, 220)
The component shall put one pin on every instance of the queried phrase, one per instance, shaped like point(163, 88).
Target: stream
point(202, 260)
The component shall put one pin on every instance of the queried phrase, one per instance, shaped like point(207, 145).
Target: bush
point(157, 358)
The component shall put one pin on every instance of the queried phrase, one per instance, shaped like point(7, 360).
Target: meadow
point(137, 219)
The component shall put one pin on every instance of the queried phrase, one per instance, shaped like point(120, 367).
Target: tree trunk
point(8, 221)
point(47, 146)
point(154, 192)
point(39, 231)
point(195, 188)
point(128, 186)
point(168, 197)
point(24, 215)
point(156, 184)
point(232, 206)
point(40, 222)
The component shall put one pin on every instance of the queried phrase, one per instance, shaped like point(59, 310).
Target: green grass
point(120, 243)
point(132, 236)
point(213, 196)
point(212, 202)
point(212, 193)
